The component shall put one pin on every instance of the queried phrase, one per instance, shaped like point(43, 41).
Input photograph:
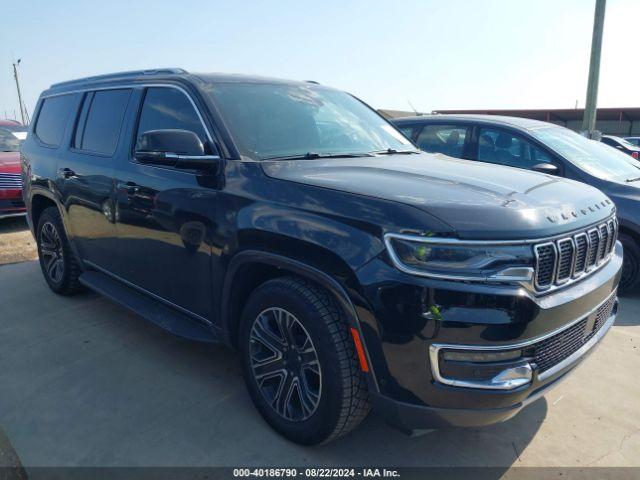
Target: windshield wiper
point(634, 179)
point(316, 155)
point(393, 151)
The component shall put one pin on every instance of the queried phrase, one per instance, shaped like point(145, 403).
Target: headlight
point(461, 260)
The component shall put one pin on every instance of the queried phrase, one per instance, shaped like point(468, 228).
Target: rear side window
point(168, 108)
point(446, 139)
point(100, 121)
point(53, 118)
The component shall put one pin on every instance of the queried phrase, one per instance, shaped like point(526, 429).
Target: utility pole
point(589, 120)
point(22, 109)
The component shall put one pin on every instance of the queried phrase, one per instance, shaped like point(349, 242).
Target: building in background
point(621, 122)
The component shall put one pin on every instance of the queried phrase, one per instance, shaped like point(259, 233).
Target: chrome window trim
point(435, 348)
point(140, 85)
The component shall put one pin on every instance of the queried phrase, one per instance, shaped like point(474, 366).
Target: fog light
point(485, 369)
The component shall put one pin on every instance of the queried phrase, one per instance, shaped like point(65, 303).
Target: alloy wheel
point(52, 252)
point(285, 365)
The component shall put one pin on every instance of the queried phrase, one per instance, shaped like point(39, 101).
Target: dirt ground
point(16, 242)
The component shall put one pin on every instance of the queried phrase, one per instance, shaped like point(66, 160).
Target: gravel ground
point(16, 242)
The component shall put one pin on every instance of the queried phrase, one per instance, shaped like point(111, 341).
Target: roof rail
point(120, 75)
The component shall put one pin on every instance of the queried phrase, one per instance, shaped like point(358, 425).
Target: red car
point(11, 136)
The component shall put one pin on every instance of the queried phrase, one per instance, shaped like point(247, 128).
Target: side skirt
point(163, 316)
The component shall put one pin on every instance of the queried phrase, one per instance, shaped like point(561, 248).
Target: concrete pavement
point(85, 382)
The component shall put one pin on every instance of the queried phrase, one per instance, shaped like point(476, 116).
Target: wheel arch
point(261, 266)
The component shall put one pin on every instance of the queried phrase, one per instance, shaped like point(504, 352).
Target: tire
point(631, 265)
point(334, 388)
point(58, 263)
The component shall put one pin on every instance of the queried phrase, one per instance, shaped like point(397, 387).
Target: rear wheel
point(630, 266)
point(300, 363)
point(59, 266)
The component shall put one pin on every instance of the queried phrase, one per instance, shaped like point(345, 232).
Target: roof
point(524, 123)
point(558, 114)
point(166, 74)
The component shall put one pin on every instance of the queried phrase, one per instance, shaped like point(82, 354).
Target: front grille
point(553, 350)
point(561, 260)
point(10, 181)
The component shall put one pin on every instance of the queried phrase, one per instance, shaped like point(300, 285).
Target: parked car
point(633, 140)
point(11, 135)
point(544, 147)
point(291, 221)
point(622, 145)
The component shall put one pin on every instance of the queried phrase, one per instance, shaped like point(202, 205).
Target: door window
point(101, 117)
point(52, 119)
point(168, 108)
point(504, 148)
point(446, 139)
point(407, 131)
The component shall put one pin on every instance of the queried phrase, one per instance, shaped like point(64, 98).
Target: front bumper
point(11, 204)
point(407, 322)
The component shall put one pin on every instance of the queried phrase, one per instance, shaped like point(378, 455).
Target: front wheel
point(299, 362)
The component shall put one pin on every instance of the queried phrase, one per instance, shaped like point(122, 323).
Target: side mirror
point(174, 148)
point(547, 168)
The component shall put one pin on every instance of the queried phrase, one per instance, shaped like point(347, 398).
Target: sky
point(437, 55)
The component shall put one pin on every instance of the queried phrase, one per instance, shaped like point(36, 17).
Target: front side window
point(279, 120)
point(168, 108)
point(53, 117)
point(505, 148)
point(446, 139)
point(100, 121)
point(594, 157)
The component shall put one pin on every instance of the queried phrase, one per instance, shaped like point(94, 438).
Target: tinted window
point(446, 139)
point(407, 131)
point(168, 108)
point(505, 148)
point(100, 121)
point(53, 117)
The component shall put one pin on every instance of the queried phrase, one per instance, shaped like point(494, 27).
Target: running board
point(163, 316)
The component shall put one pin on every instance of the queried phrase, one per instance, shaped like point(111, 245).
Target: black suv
point(292, 222)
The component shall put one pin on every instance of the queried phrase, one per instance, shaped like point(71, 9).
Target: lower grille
point(553, 350)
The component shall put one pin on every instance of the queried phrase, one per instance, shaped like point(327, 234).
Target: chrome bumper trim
point(434, 350)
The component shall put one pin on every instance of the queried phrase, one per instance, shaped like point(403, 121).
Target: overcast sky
point(436, 54)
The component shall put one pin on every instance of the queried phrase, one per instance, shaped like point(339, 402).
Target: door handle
point(66, 173)
point(131, 188)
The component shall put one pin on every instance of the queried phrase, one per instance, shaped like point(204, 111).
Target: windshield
point(624, 143)
point(277, 120)
point(10, 140)
point(634, 141)
point(594, 157)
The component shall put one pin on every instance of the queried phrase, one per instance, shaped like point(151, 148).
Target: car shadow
point(116, 390)
point(13, 225)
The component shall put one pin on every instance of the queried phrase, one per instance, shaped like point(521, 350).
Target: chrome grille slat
point(10, 181)
point(564, 259)
point(582, 248)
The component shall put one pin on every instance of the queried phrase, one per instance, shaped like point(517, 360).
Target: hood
point(9, 162)
point(478, 200)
